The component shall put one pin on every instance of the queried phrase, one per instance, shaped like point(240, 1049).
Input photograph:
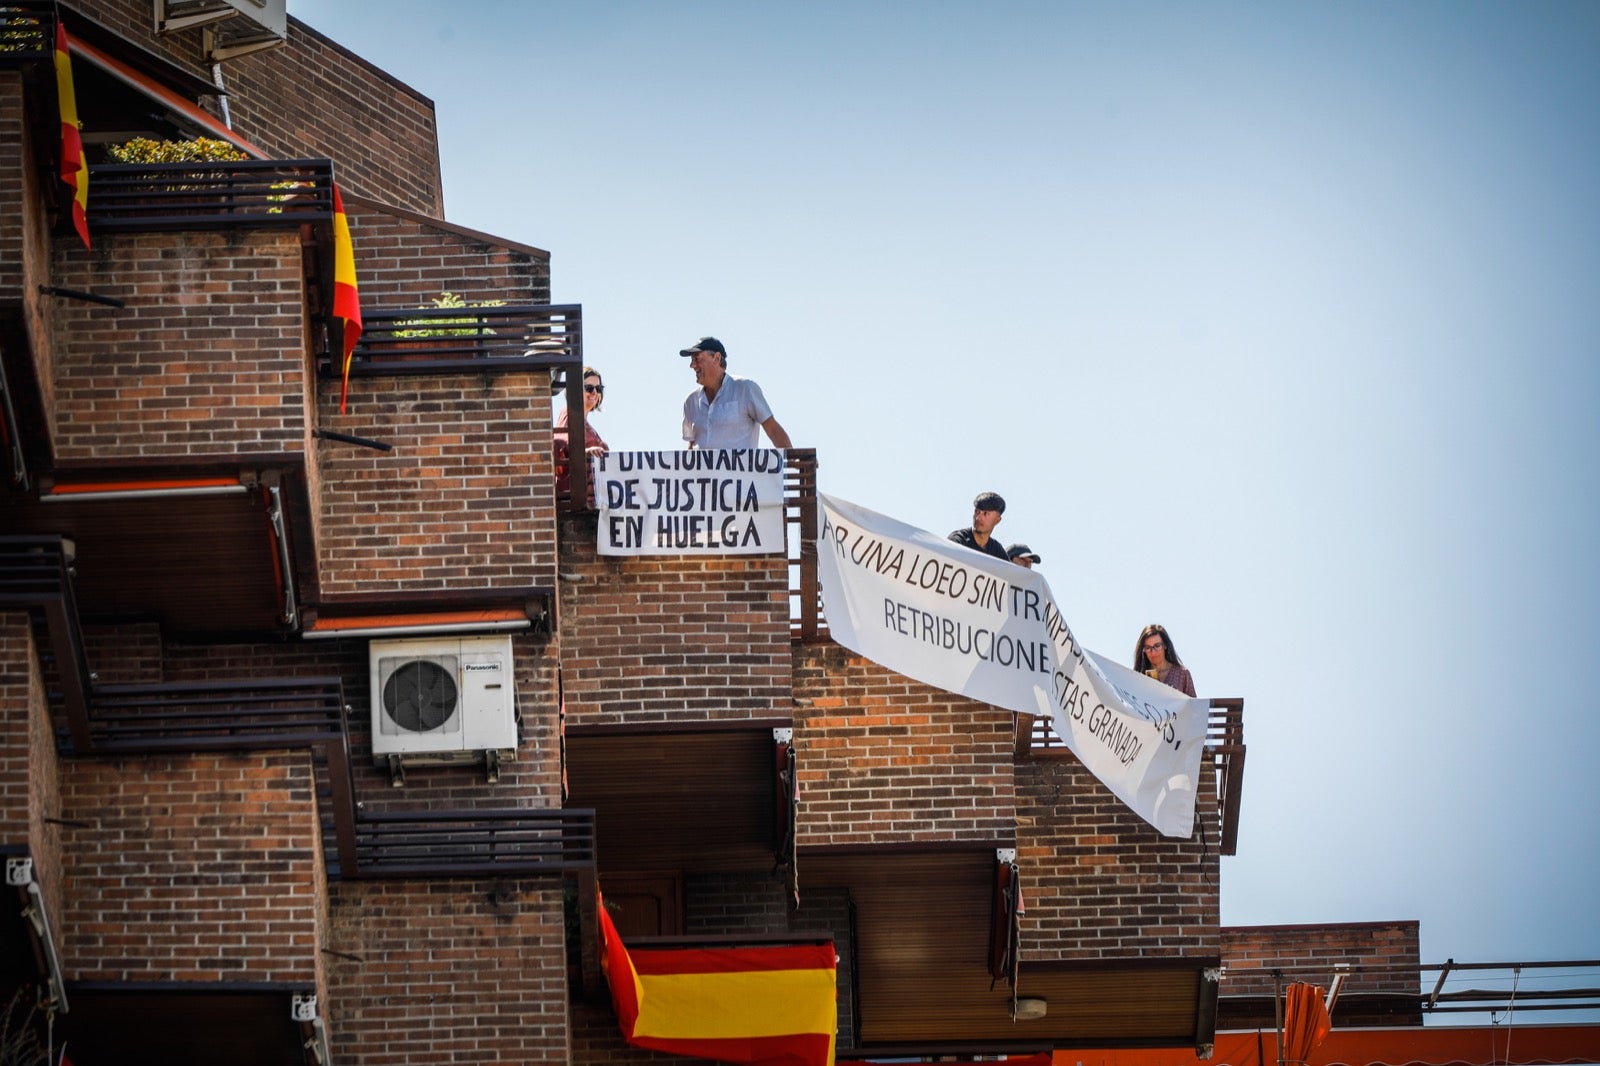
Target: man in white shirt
point(725, 411)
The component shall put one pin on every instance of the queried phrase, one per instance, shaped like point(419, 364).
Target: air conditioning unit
point(440, 699)
point(232, 28)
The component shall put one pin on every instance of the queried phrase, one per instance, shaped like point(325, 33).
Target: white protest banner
point(690, 503)
point(969, 623)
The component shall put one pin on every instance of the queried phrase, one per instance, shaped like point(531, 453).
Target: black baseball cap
point(1022, 551)
point(705, 344)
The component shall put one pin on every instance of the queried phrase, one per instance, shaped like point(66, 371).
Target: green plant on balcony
point(199, 150)
point(457, 326)
point(21, 33)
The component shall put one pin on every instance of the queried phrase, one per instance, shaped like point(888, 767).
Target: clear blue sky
point(1277, 324)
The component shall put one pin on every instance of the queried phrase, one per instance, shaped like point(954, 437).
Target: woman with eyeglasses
point(1155, 655)
point(594, 393)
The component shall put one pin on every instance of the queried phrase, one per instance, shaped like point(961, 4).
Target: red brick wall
point(464, 500)
point(124, 654)
point(14, 176)
point(1383, 956)
point(447, 971)
point(207, 358)
point(403, 261)
point(884, 759)
point(24, 227)
point(663, 639)
point(19, 688)
point(192, 868)
point(30, 773)
point(1099, 881)
point(311, 98)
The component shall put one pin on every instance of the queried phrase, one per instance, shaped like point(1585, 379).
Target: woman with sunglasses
point(594, 392)
point(1155, 655)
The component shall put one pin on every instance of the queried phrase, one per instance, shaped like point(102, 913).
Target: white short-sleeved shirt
point(732, 420)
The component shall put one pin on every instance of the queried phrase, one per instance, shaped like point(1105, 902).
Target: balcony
point(484, 339)
point(146, 197)
point(263, 714)
point(27, 32)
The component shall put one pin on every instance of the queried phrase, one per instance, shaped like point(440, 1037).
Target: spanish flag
point(73, 171)
point(775, 1006)
point(346, 300)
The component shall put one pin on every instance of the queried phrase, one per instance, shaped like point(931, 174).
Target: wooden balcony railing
point(800, 512)
point(1224, 746)
point(27, 32)
point(208, 195)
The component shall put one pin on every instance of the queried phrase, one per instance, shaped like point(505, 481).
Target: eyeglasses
point(1157, 646)
point(595, 388)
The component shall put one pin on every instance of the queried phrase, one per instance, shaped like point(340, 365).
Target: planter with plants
point(446, 336)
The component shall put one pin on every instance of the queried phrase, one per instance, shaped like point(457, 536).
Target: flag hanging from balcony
point(346, 300)
point(775, 1005)
point(73, 170)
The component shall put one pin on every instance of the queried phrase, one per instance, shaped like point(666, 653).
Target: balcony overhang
point(702, 798)
point(215, 549)
point(151, 1023)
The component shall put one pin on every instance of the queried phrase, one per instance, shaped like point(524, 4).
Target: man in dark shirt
point(986, 512)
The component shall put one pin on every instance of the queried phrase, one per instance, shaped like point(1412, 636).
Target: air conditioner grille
point(420, 696)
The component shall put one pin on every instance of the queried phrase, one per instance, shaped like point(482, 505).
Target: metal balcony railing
point(433, 340)
point(475, 842)
point(27, 32)
point(131, 197)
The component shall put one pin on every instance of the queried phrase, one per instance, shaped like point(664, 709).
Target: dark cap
point(1022, 551)
point(705, 344)
point(989, 501)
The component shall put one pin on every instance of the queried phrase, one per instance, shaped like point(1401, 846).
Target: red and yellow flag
point(770, 1005)
point(346, 300)
point(73, 171)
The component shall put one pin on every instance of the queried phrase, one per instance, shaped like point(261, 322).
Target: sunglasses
point(595, 388)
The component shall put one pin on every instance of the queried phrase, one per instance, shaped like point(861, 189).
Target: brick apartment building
point(215, 851)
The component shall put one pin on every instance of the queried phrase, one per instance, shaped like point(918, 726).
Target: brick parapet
point(671, 639)
point(1099, 881)
point(465, 499)
point(448, 971)
point(1382, 957)
point(884, 759)
point(191, 868)
point(206, 358)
